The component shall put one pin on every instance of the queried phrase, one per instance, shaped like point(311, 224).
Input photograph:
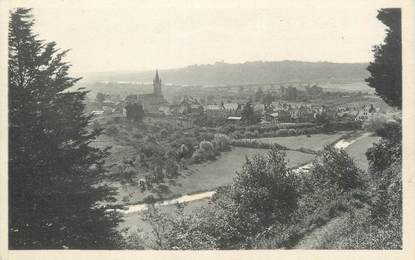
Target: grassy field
point(358, 149)
point(314, 142)
point(209, 175)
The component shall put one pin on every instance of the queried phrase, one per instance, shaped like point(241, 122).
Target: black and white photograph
point(146, 126)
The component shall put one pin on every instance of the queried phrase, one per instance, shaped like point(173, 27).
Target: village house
point(231, 107)
point(165, 109)
point(234, 118)
point(365, 113)
point(280, 116)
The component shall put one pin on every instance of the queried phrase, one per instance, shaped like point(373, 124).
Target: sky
point(134, 37)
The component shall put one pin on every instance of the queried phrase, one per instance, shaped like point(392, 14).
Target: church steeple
point(157, 85)
point(157, 75)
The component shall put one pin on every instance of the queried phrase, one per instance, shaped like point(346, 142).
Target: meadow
point(206, 176)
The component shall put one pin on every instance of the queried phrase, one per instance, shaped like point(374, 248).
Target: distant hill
point(257, 72)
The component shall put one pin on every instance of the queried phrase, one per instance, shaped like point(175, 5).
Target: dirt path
point(321, 237)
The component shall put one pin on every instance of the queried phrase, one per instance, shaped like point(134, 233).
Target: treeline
point(257, 72)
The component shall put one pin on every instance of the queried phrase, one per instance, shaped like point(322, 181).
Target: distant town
point(278, 103)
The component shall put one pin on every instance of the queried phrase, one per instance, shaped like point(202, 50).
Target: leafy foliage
point(248, 114)
point(55, 197)
point(222, 142)
point(386, 70)
point(100, 97)
point(262, 194)
point(135, 112)
point(385, 159)
point(335, 170)
point(266, 188)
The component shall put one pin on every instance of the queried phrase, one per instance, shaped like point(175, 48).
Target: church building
point(152, 102)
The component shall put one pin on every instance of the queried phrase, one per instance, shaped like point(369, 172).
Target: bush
point(301, 131)
point(385, 168)
point(206, 137)
point(292, 132)
point(172, 168)
point(250, 135)
point(137, 135)
point(256, 144)
point(266, 188)
point(333, 173)
point(96, 126)
point(112, 130)
point(227, 129)
point(204, 152)
point(164, 133)
point(336, 169)
point(222, 142)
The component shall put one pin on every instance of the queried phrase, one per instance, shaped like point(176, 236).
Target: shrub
point(266, 188)
point(227, 129)
point(206, 137)
point(96, 126)
point(332, 174)
point(137, 135)
point(301, 131)
point(204, 152)
point(112, 130)
point(172, 168)
point(292, 132)
point(129, 127)
point(250, 135)
point(164, 133)
point(222, 141)
point(256, 144)
point(385, 168)
point(336, 169)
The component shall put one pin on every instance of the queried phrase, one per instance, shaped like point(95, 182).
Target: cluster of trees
point(163, 156)
point(263, 192)
point(254, 72)
point(208, 150)
point(269, 207)
point(134, 112)
point(289, 93)
point(100, 97)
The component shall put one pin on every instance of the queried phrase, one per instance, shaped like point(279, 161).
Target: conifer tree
point(56, 199)
point(386, 69)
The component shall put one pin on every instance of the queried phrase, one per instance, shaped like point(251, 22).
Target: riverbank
point(204, 177)
point(299, 168)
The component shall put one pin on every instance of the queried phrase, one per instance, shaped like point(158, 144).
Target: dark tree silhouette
point(134, 112)
point(100, 97)
point(56, 199)
point(386, 70)
point(248, 114)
